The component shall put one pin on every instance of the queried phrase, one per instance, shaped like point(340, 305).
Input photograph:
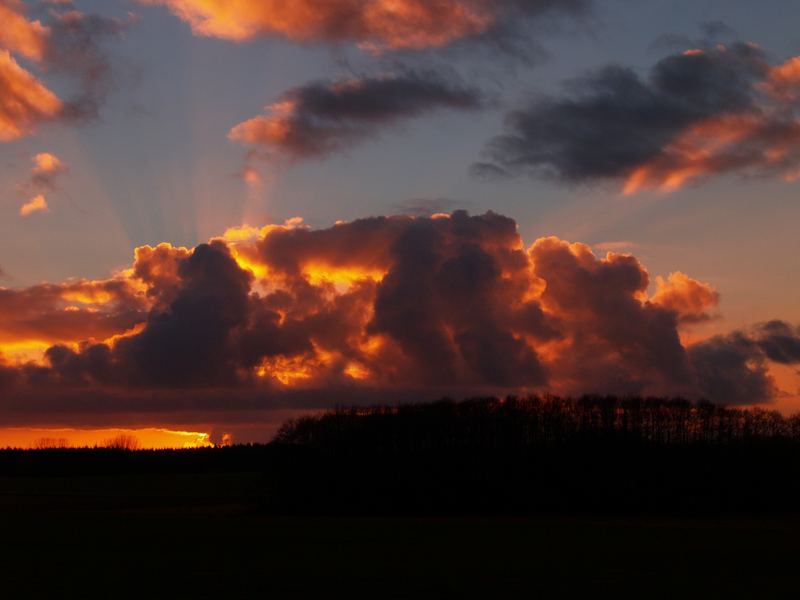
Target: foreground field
point(198, 535)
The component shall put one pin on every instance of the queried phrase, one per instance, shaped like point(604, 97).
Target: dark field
point(651, 499)
point(197, 536)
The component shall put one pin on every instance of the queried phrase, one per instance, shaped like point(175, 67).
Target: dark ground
point(203, 535)
point(531, 498)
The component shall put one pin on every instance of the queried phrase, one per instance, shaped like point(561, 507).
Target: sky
point(217, 215)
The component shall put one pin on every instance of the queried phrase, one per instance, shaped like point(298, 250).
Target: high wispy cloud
point(373, 24)
point(706, 111)
point(371, 309)
point(66, 41)
point(320, 118)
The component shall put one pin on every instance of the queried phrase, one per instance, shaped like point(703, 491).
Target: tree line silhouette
point(541, 455)
point(489, 423)
point(513, 456)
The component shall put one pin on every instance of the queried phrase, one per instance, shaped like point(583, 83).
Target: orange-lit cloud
point(34, 205)
point(18, 34)
point(783, 81)
point(37, 317)
point(393, 24)
point(24, 100)
point(45, 162)
point(46, 170)
point(286, 316)
point(67, 43)
point(688, 298)
point(380, 26)
point(739, 142)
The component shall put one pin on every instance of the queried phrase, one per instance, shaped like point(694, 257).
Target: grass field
point(198, 535)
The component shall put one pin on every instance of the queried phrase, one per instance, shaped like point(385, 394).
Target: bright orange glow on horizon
point(146, 439)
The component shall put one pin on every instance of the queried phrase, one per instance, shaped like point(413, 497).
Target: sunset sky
point(219, 214)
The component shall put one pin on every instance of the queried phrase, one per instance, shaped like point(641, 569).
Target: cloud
point(68, 43)
point(320, 118)
point(34, 205)
point(47, 168)
point(380, 308)
point(70, 312)
point(24, 100)
point(425, 207)
point(75, 48)
point(686, 297)
point(616, 245)
point(735, 366)
point(706, 111)
point(18, 34)
point(373, 24)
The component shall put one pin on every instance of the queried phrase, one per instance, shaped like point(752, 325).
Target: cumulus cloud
point(705, 111)
point(34, 205)
point(378, 308)
point(67, 42)
point(686, 297)
point(320, 118)
point(373, 24)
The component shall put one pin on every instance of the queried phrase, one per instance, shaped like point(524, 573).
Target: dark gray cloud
point(700, 112)
point(323, 117)
point(75, 47)
point(733, 368)
point(612, 120)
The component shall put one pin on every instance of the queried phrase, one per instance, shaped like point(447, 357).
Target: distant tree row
point(491, 423)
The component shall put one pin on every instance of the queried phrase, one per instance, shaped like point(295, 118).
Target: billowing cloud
point(319, 118)
point(70, 312)
point(686, 297)
point(382, 24)
point(67, 43)
point(375, 309)
point(705, 111)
